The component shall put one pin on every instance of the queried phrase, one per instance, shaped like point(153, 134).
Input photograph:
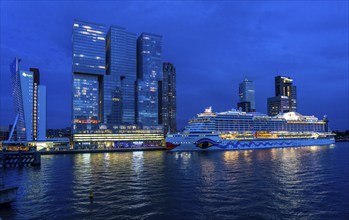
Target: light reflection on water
point(137, 162)
point(305, 182)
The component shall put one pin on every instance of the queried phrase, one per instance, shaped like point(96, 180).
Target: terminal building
point(129, 136)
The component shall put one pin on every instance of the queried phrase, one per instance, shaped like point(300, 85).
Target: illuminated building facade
point(168, 100)
point(120, 78)
point(277, 105)
point(285, 99)
point(59, 133)
point(247, 96)
point(30, 104)
point(149, 73)
point(129, 136)
point(88, 71)
point(105, 79)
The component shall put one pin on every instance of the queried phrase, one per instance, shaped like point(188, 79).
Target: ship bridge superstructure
point(203, 123)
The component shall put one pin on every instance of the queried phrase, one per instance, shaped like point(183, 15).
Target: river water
point(288, 183)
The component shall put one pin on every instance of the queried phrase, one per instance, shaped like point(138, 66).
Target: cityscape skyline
point(117, 87)
point(312, 99)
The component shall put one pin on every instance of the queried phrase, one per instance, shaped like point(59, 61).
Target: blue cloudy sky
point(213, 45)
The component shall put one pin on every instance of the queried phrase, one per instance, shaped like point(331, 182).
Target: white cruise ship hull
point(183, 142)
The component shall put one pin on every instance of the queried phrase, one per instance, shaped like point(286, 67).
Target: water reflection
point(106, 160)
point(184, 159)
point(247, 156)
point(315, 148)
point(294, 173)
point(230, 156)
point(183, 155)
point(296, 183)
point(207, 170)
point(137, 162)
point(82, 159)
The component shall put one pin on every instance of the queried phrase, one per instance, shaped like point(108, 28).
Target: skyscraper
point(285, 99)
point(149, 73)
point(30, 103)
point(120, 79)
point(88, 71)
point(110, 85)
point(247, 96)
point(167, 105)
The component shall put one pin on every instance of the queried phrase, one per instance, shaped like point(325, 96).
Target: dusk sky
point(213, 46)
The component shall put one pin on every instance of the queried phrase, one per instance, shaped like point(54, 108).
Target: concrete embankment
point(19, 158)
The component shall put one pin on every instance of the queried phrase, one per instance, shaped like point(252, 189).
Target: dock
point(19, 158)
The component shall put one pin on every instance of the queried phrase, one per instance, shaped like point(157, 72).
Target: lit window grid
point(85, 96)
point(117, 137)
point(88, 49)
point(149, 50)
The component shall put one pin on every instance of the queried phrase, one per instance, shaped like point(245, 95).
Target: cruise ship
point(235, 130)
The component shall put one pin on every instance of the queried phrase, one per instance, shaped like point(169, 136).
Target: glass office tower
point(30, 104)
point(168, 109)
point(149, 73)
point(105, 77)
point(88, 71)
point(247, 96)
point(119, 82)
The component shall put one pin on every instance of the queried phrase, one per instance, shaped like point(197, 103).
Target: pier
point(20, 158)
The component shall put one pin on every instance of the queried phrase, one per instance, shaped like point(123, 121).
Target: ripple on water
point(297, 183)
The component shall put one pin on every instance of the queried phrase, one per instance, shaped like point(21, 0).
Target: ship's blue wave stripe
point(250, 144)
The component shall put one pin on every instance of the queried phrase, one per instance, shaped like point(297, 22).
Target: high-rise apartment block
point(285, 99)
point(168, 99)
point(30, 104)
point(247, 96)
